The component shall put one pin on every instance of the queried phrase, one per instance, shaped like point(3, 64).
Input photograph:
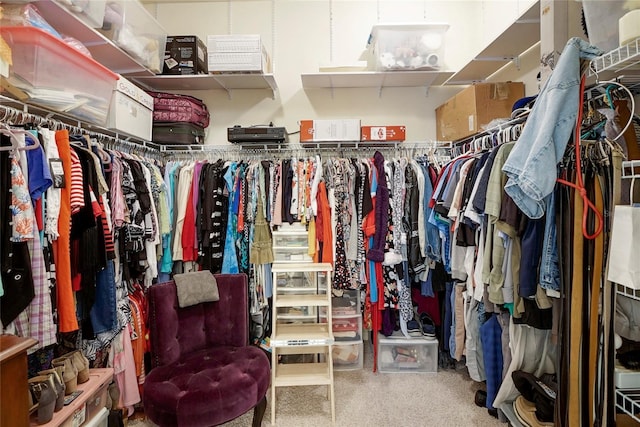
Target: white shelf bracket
point(516, 62)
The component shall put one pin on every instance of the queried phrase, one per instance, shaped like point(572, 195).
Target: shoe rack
point(302, 292)
point(87, 405)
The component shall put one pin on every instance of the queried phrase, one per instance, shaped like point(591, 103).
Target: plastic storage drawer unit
point(403, 355)
point(347, 356)
point(55, 75)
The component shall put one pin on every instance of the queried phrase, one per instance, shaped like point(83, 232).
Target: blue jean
point(531, 166)
point(103, 312)
point(432, 243)
point(549, 265)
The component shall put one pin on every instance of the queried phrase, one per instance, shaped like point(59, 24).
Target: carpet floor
point(365, 398)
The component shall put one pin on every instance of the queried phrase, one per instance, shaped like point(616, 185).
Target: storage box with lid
point(185, 55)
point(131, 110)
point(411, 46)
point(130, 26)
point(398, 354)
point(53, 74)
point(242, 53)
point(90, 12)
point(475, 107)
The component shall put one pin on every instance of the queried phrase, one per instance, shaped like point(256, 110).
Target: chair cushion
point(208, 387)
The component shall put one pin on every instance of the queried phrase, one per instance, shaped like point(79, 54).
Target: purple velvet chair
point(204, 372)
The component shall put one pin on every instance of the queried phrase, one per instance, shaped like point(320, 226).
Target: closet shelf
point(625, 59)
point(628, 401)
point(227, 82)
point(520, 36)
point(102, 49)
point(628, 292)
point(374, 79)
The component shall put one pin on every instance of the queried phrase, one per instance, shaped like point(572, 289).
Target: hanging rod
point(16, 112)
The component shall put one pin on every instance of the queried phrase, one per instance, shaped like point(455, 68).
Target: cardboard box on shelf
point(329, 130)
point(185, 55)
point(475, 107)
point(383, 133)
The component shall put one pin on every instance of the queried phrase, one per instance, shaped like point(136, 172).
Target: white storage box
point(407, 355)
point(132, 27)
point(239, 62)
point(248, 43)
point(131, 110)
point(626, 378)
point(417, 46)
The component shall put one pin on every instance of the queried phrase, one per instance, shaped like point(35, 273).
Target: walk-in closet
point(319, 213)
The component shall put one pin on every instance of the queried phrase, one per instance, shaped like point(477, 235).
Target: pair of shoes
point(480, 398)
point(540, 391)
point(413, 327)
point(43, 394)
point(526, 413)
point(428, 326)
point(75, 369)
point(57, 377)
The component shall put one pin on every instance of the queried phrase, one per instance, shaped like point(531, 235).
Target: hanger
point(15, 142)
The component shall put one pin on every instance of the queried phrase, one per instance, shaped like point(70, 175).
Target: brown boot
point(69, 374)
point(57, 375)
point(43, 390)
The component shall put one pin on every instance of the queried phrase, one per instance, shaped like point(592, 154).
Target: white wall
point(301, 34)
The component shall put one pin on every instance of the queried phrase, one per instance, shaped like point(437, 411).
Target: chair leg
point(258, 412)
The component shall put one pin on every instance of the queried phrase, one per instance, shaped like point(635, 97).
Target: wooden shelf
point(374, 79)
point(226, 82)
point(312, 300)
point(298, 331)
point(508, 46)
point(102, 49)
point(301, 267)
point(297, 374)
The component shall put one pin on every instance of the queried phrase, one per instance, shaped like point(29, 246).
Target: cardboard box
point(131, 110)
point(383, 133)
point(329, 130)
point(185, 55)
point(468, 111)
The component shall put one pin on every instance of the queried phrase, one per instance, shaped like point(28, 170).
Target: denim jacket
point(531, 166)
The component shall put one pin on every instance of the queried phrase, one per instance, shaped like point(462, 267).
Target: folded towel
point(196, 287)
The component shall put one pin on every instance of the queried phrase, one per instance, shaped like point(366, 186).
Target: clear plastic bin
point(132, 27)
point(410, 47)
point(602, 20)
point(403, 355)
point(347, 356)
point(57, 76)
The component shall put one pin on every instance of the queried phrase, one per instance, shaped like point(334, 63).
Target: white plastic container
point(419, 46)
point(602, 18)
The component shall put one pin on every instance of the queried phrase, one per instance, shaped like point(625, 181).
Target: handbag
point(624, 247)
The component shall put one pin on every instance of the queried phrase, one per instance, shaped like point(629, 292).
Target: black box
point(185, 55)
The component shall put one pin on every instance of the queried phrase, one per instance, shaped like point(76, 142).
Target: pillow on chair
point(195, 288)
